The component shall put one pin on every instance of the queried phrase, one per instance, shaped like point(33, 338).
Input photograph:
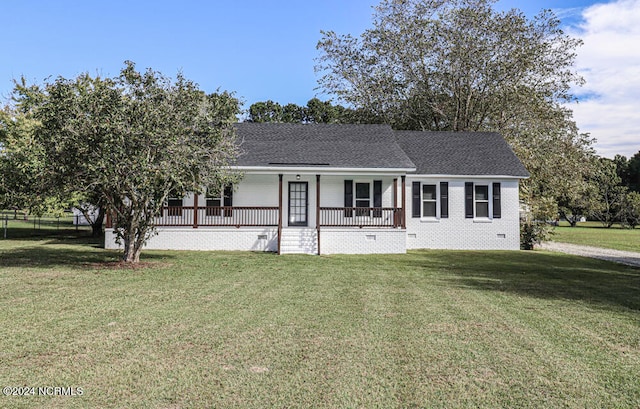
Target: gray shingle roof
point(321, 145)
point(460, 153)
point(354, 146)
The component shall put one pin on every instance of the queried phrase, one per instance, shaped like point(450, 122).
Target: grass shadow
point(64, 249)
point(29, 234)
point(540, 274)
point(46, 257)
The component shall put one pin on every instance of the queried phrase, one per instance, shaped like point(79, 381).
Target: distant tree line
point(609, 193)
point(315, 112)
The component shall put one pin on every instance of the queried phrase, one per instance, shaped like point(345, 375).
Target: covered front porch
point(299, 212)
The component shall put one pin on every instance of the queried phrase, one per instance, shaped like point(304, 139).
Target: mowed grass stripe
point(426, 329)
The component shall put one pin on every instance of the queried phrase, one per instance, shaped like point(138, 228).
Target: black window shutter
point(415, 199)
point(468, 200)
point(497, 207)
point(228, 200)
point(444, 200)
point(228, 195)
point(377, 198)
point(348, 198)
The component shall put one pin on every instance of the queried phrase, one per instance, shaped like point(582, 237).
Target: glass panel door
point(298, 203)
point(363, 198)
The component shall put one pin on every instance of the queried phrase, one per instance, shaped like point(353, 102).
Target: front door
point(298, 203)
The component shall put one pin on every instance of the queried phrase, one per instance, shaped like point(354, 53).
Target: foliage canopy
point(460, 65)
point(132, 141)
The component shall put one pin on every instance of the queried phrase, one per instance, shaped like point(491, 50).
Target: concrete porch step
point(298, 241)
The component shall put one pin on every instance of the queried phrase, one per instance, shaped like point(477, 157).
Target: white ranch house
point(327, 189)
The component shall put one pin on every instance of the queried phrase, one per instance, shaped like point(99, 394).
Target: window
point(213, 206)
point(429, 200)
point(216, 201)
point(360, 195)
point(481, 200)
point(174, 206)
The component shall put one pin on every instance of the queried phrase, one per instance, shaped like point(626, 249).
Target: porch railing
point(183, 216)
point(217, 216)
point(360, 217)
point(175, 216)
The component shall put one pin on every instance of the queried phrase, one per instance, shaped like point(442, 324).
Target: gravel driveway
point(623, 257)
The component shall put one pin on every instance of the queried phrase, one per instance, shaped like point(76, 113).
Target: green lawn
point(435, 329)
point(596, 235)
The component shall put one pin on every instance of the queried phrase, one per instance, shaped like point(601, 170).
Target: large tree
point(579, 202)
point(634, 172)
point(631, 210)
point(611, 194)
point(16, 167)
point(25, 181)
point(23, 184)
point(132, 141)
point(265, 111)
point(460, 65)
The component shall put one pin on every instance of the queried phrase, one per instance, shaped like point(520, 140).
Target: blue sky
point(261, 50)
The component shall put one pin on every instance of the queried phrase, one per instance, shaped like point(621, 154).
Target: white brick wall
point(218, 238)
point(332, 240)
point(362, 241)
point(457, 232)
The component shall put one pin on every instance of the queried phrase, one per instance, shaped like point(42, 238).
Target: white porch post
point(279, 212)
point(404, 202)
point(318, 211)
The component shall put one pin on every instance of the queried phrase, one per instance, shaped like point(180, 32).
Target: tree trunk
point(134, 241)
point(131, 252)
point(134, 255)
point(96, 226)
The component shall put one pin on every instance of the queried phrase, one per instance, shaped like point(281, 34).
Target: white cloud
point(610, 62)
